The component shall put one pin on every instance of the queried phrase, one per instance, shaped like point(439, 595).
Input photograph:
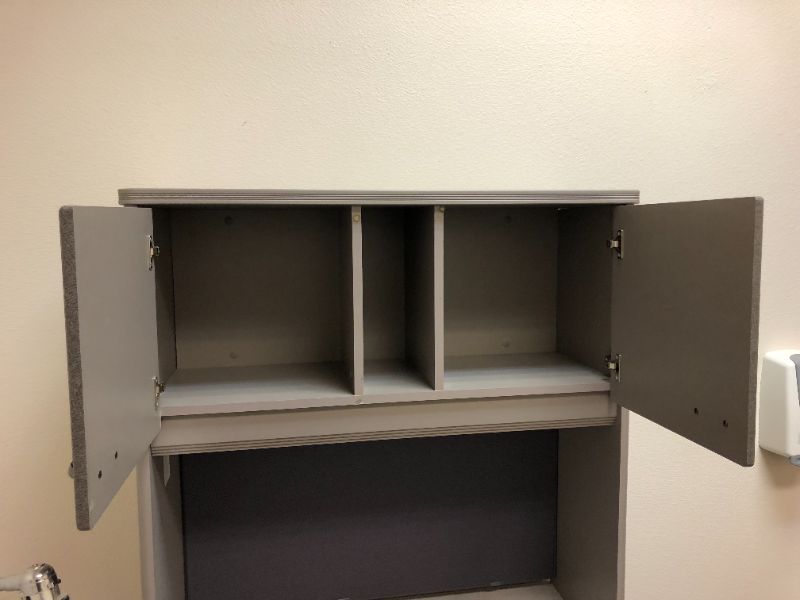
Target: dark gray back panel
point(685, 319)
point(371, 520)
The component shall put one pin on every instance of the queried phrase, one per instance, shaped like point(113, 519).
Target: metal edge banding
point(74, 370)
point(211, 197)
point(376, 436)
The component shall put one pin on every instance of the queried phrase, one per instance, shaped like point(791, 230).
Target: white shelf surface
point(533, 592)
point(547, 373)
point(238, 389)
point(392, 377)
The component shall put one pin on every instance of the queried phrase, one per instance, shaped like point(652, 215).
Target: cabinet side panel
point(584, 284)
point(423, 294)
point(592, 463)
point(165, 295)
point(160, 528)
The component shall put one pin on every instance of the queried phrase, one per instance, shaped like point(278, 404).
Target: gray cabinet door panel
point(685, 319)
point(110, 313)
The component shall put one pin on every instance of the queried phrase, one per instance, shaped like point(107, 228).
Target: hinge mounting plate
point(616, 243)
point(158, 387)
point(153, 252)
point(614, 365)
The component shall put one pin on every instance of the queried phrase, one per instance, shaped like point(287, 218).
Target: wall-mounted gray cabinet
point(206, 321)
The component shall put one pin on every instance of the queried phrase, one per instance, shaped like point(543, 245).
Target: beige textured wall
point(682, 100)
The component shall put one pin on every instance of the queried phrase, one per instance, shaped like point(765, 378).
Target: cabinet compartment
point(503, 295)
point(261, 304)
point(388, 519)
point(371, 520)
point(398, 267)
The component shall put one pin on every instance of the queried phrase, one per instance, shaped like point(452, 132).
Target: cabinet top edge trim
point(212, 197)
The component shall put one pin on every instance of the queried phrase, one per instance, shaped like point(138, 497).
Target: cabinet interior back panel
point(371, 520)
point(258, 286)
point(384, 232)
point(398, 299)
point(500, 280)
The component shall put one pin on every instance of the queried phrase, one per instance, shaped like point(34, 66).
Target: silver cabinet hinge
point(153, 252)
point(616, 243)
point(614, 365)
point(158, 387)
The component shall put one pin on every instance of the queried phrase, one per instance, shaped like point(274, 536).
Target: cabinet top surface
point(227, 197)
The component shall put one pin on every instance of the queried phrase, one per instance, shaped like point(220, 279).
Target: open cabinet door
point(110, 313)
point(685, 319)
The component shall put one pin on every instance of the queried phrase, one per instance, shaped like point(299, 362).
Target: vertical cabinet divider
point(354, 299)
point(438, 296)
point(425, 297)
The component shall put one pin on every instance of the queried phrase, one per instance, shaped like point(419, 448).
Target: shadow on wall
point(782, 474)
point(784, 479)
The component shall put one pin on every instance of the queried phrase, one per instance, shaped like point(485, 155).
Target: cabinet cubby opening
point(502, 292)
point(274, 308)
point(259, 303)
point(398, 299)
point(405, 518)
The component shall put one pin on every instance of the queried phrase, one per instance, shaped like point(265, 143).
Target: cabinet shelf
point(392, 376)
point(532, 592)
point(239, 389)
point(318, 385)
point(511, 374)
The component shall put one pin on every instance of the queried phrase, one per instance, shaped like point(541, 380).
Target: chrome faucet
point(39, 582)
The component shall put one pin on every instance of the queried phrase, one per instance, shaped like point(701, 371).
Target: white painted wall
point(682, 100)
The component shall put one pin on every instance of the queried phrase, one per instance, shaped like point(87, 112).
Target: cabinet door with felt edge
point(110, 313)
point(684, 327)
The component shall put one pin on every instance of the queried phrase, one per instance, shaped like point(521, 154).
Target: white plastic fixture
point(779, 419)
